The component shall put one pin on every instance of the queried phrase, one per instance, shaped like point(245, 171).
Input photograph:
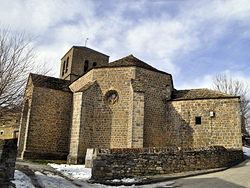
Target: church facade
point(123, 104)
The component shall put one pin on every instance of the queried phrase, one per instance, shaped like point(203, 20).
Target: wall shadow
point(22, 133)
point(98, 119)
point(179, 132)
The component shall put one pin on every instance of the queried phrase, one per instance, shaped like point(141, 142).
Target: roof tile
point(50, 82)
point(129, 61)
point(199, 94)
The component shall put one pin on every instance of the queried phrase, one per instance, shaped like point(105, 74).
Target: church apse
point(100, 112)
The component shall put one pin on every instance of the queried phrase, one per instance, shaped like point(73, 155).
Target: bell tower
point(79, 60)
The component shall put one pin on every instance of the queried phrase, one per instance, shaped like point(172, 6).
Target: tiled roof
point(89, 49)
point(199, 94)
point(50, 82)
point(85, 48)
point(130, 61)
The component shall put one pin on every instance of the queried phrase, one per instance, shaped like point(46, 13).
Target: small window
point(1, 133)
point(3, 122)
point(94, 64)
point(198, 120)
point(63, 68)
point(86, 65)
point(67, 65)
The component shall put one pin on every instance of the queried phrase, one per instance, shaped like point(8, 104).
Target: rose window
point(112, 97)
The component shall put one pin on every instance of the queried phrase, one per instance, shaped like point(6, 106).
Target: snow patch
point(21, 180)
point(246, 152)
point(73, 171)
point(126, 180)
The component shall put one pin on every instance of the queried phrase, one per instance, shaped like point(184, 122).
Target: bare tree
point(17, 60)
point(233, 86)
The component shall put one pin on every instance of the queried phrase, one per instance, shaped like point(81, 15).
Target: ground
point(32, 175)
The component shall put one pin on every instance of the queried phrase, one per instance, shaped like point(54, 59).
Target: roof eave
point(205, 98)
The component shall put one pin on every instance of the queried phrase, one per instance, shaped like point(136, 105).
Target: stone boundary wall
point(8, 153)
point(127, 163)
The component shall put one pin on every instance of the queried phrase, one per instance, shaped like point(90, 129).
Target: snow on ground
point(246, 152)
point(22, 181)
point(79, 174)
point(73, 171)
point(126, 180)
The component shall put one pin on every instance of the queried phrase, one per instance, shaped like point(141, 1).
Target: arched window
point(86, 65)
point(94, 64)
point(63, 68)
point(67, 65)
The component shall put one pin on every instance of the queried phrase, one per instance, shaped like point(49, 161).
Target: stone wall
point(223, 129)
point(9, 125)
point(127, 163)
point(8, 153)
point(155, 88)
point(83, 125)
point(48, 124)
point(7, 132)
point(96, 122)
point(135, 119)
point(112, 117)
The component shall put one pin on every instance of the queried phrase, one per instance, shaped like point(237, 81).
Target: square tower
point(78, 60)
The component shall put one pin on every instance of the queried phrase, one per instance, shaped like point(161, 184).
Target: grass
point(45, 162)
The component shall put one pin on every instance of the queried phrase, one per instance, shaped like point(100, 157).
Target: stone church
point(123, 104)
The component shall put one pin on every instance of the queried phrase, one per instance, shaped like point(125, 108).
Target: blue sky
point(192, 40)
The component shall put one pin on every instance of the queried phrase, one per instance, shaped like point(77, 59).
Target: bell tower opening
point(86, 65)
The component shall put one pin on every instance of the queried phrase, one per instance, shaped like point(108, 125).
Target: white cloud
point(238, 75)
point(207, 80)
point(142, 28)
point(198, 83)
